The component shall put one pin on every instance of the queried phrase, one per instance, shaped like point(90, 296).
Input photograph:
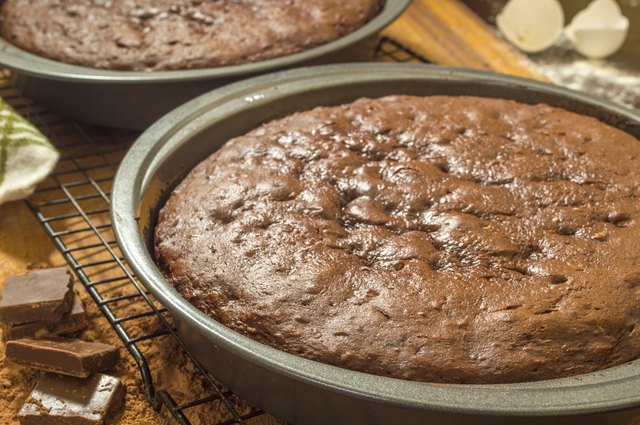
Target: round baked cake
point(151, 35)
point(441, 239)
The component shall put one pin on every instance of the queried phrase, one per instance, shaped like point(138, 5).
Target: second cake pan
point(134, 100)
point(302, 391)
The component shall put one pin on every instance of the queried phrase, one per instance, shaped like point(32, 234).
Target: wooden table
point(443, 31)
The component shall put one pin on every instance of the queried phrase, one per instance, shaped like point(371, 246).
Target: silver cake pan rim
point(606, 390)
point(33, 65)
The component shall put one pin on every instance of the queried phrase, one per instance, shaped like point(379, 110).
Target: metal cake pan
point(302, 391)
point(134, 100)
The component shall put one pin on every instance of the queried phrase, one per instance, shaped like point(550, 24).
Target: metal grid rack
point(73, 206)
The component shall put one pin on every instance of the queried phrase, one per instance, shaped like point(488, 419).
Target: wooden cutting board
point(447, 32)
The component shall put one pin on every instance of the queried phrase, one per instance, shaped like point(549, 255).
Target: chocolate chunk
point(40, 295)
point(64, 400)
point(73, 321)
point(66, 356)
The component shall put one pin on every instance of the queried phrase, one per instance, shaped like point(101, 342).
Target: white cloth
point(26, 156)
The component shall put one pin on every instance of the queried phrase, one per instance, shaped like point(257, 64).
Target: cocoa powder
point(167, 362)
point(171, 368)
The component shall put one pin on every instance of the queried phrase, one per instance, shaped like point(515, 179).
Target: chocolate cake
point(440, 239)
point(151, 35)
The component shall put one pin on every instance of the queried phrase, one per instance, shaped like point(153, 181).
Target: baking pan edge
point(134, 100)
point(31, 64)
point(592, 394)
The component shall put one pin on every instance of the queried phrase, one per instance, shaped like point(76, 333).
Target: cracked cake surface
point(440, 239)
point(152, 35)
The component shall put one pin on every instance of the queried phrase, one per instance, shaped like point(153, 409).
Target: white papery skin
point(531, 25)
point(599, 30)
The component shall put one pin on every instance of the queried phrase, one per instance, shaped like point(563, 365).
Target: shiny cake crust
point(153, 35)
point(441, 239)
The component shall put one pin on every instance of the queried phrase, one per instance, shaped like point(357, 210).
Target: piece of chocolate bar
point(66, 356)
point(71, 322)
point(40, 295)
point(63, 400)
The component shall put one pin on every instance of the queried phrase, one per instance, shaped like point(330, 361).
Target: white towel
point(26, 156)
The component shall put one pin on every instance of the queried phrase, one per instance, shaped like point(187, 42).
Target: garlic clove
point(531, 25)
point(599, 30)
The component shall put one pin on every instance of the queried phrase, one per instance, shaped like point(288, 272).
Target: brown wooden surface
point(23, 243)
point(446, 32)
point(443, 31)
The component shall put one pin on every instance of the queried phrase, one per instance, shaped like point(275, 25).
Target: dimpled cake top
point(152, 35)
point(442, 239)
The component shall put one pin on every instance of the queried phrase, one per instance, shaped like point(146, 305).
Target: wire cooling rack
point(73, 206)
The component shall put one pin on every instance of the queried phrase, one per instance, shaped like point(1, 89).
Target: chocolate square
point(66, 356)
point(71, 322)
point(40, 295)
point(63, 400)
